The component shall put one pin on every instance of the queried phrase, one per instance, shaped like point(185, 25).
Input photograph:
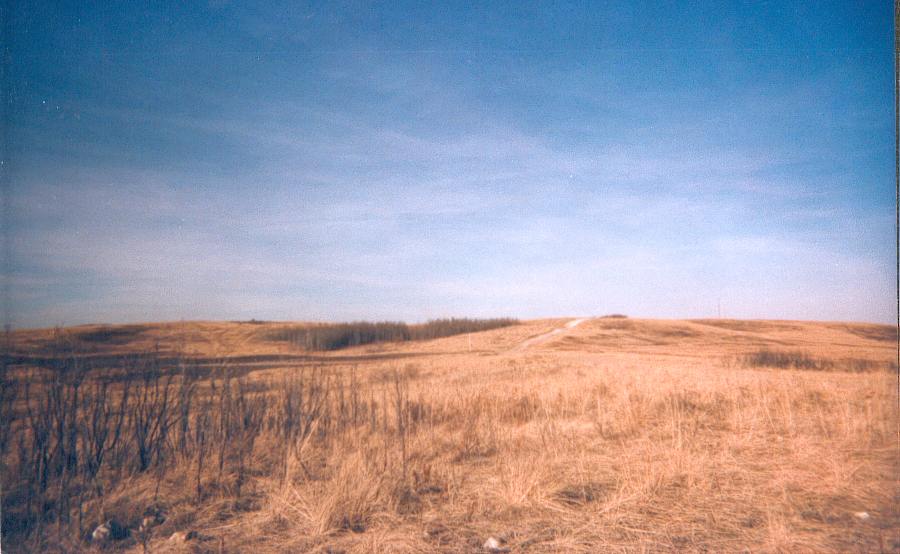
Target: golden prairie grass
point(669, 443)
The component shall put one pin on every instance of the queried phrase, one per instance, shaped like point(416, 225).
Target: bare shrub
point(79, 433)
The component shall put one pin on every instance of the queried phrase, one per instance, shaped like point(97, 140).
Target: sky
point(407, 161)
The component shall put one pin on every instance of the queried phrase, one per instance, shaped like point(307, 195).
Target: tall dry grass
point(546, 454)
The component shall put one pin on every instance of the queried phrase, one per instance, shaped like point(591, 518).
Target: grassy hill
point(615, 435)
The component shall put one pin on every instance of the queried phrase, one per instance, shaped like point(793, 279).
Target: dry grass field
point(613, 435)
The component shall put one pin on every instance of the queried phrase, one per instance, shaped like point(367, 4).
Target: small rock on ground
point(494, 545)
point(179, 537)
point(111, 530)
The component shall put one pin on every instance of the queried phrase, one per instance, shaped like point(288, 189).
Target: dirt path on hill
point(544, 337)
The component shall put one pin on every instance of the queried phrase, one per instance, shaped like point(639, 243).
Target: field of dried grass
point(616, 435)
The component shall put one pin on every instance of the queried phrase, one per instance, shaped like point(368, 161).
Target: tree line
point(334, 336)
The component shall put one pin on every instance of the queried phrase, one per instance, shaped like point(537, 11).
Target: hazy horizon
point(343, 162)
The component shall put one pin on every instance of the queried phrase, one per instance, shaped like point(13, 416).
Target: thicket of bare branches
point(70, 434)
point(342, 335)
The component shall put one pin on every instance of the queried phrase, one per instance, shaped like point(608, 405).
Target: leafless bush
point(77, 435)
point(9, 390)
point(82, 432)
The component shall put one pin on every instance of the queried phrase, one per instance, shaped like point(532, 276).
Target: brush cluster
point(72, 434)
point(342, 335)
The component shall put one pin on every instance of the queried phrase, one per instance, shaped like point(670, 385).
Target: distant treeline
point(342, 335)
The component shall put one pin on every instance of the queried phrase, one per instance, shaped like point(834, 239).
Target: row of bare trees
point(342, 335)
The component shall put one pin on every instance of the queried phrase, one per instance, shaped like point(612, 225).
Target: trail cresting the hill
point(544, 337)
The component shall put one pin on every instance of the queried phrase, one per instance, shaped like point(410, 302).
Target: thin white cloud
point(349, 215)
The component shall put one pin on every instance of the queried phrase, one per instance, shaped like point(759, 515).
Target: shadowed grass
point(804, 361)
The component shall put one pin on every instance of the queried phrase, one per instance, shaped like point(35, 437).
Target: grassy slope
point(618, 435)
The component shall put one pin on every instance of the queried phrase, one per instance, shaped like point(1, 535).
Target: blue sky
point(343, 161)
